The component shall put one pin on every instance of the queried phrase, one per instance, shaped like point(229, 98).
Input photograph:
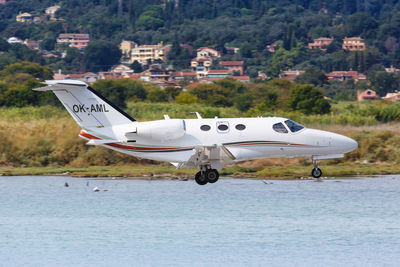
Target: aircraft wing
point(208, 155)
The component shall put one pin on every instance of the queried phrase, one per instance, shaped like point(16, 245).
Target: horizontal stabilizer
point(336, 156)
point(95, 142)
point(60, 85)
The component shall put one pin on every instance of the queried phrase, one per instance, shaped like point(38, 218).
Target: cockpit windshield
point(294, 126)
point(279, 127)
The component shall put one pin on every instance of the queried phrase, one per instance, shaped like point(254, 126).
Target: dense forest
point(250, 25)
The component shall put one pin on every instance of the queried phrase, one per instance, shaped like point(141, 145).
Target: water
point(351, 222)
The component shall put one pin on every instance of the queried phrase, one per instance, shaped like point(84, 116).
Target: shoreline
point(163, 172)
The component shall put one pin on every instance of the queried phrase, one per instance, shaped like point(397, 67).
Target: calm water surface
point(351, 222)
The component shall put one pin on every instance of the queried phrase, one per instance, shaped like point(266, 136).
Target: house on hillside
point(367, 95)
point(51, 12)
point(78, 40)
point(153, 74)
point(33, 45)
point(201, 66)
point(354, 44)
point(88, 77)
point(320, 43)
point(346, 75)
point(218, 73)
point(394, 97)
point(206, 52)
point(180, 75)
point(233, 66)
point(145, 53)
point(14, 40)
point(122, 70)
point(126, 50)
point(28, 18)
point(291, 74)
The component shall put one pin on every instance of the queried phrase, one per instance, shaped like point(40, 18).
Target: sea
point(234, 222)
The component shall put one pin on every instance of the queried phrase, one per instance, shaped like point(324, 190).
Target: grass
point(288, 172)
point(43, 137)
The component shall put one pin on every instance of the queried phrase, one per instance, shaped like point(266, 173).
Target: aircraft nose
point(345, 143)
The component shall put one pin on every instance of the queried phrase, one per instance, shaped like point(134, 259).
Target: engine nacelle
point(161, 130)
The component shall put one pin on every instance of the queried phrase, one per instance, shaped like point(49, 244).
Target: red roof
point(231, 63)
point(79, 75)
point(218, 72)
point(183, 74)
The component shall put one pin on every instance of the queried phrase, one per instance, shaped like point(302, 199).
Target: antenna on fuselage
point(197, 114)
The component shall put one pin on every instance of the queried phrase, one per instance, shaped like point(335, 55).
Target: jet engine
point(161, 130)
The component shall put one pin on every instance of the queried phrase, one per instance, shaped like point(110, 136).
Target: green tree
point(308, 100)
point(136, 67)
point(101, 55)
point(186, 98)
point(34, 69)
point(4, 45)
point(312, 76)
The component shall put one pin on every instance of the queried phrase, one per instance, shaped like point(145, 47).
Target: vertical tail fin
point(86, 106)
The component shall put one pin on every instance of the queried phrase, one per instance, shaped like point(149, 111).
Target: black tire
point(316, 173)
point(200, 179)
point(212, 176)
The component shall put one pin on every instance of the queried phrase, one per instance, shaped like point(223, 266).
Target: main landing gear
point(206, 175)
point(316, 172)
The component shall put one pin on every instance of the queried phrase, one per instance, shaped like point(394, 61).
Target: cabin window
point(240, 127)
point(205, 127)
point(223, 127)
point(280, 128)
point(294, 126)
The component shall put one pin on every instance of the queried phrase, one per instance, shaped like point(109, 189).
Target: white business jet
point(206, 144)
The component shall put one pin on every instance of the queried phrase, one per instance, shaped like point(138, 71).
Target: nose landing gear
point(206, 175)
point(316, 172)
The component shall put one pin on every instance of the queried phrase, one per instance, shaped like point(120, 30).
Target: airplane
point(203, 143)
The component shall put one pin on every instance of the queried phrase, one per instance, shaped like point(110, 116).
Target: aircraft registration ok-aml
point(206, 144)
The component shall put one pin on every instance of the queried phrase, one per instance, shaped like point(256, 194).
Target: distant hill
point(250, 25)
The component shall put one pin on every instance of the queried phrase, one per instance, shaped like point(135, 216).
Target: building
point(122, 70)
point(51, 12)
point(218, 73)
point(345, 75)
point(233, 66)
point(271, 48)
point(145, 53)
point(367, 95)
point(88, 77)
point(180, 75)
point(34, 45)
point(14, 40)
point(354, 44)
point(206, 52)
point(394, 97)
point(320, 43)
point(28, 18)
point(78, 40)
point(232, 50)
point(291, 74)
point(201, 66)
point(392, 70)
point(154, 74)
point(245, 79)
point(126, 50)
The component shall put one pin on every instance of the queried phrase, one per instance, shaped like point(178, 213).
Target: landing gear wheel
point(316, 172)
point(200, 179)
point(212, 176)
